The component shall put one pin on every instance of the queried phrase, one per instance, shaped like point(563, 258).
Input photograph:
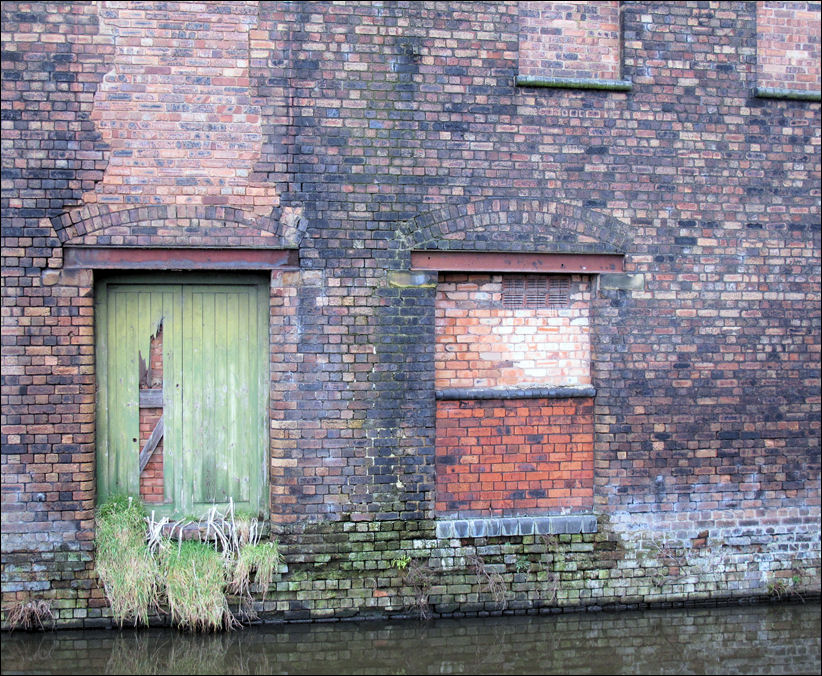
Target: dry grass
point(29, 615)
point(419, 578)
point(494, 584)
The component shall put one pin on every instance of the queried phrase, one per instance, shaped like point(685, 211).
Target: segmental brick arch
point(166, 226)
point(517, 224)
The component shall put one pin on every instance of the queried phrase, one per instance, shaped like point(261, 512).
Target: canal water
point(747, 639)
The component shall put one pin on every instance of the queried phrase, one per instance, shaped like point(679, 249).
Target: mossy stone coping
point(574, 83)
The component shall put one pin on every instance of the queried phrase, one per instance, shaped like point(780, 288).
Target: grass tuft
point(194, 573)
point(141, 566)
point(124, 563)
point(262, 558)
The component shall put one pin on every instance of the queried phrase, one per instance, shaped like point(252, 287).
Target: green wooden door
point(214, 389)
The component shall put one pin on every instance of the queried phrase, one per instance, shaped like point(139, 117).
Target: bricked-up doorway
point(183, 381)
point(514, 428)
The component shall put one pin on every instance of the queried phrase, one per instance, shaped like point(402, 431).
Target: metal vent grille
point(559, 290)
point(534, 291)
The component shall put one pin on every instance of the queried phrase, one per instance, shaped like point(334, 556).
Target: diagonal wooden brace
point(151, 444)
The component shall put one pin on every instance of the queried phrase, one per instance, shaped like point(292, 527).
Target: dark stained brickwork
point(387, 128)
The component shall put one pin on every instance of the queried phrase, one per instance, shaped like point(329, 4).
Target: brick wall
point(788, 45)
point(390, 128)
point(505, 456)
point(185, 68)
point(570, 40)
point(501, 458)
point(482, 343)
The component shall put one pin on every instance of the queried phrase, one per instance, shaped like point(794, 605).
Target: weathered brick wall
point(398, 127)
point(53, 60)
point(482, 343)
point(177, 107)
point(789, 45)
point(571, 40)
point(529, 456)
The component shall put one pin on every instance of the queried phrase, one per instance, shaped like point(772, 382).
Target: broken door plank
point(152, 398)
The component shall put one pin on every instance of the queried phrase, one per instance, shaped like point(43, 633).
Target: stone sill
point(791, 94)
point(574, 83)
point(517, 525)
point(514, 392)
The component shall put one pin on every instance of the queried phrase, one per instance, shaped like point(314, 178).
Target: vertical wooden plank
point(126, 411)
point(233, 410)
point(137, 308)
point(258, 354)
point(172, 389)
point(242, 402)
point(208, 448)
point(222, 396)
point(115, 428)
point(117, 431)
point(119, 426)
point(187, 483)
point(262, 365)
point(101, 329)
point(256, 360)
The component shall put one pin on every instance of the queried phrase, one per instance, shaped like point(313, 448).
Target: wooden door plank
point(172, 389)
point(101, 354)
point(262, 393)
point(219, 391)
point(127, 387)
point(242, 401)
point(151, 398)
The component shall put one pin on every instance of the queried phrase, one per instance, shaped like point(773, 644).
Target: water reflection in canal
point(769, 639)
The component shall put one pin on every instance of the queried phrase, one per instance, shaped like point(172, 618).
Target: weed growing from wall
point(491, 581)
point(420, 579)
point(782, 588)
point(28, 615)
point(672, 561)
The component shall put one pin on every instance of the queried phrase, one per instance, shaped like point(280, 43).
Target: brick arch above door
point(517, 224)
point(163, 225)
